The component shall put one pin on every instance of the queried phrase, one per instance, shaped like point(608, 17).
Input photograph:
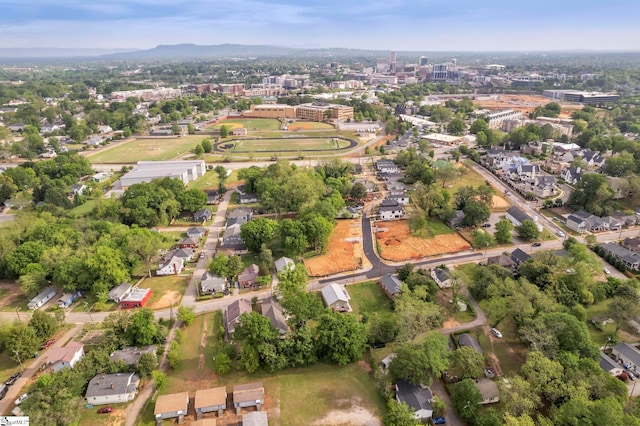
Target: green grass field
point(288, 144)
point(210, 181)
point(161, 286)
point(468, 178)
point(251, 124)
point(146, 149)
point(368, 297)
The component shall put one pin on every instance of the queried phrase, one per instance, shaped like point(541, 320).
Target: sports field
point(286, 144)
point(146, 149)
point(250, 123)
point(309, 125)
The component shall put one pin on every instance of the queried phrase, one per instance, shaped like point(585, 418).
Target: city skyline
point(403, 25)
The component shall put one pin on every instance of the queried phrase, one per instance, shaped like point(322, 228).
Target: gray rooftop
point(518, 214)
point(414, 396)
point(112, 384)
point(470, 341)
point(391, 283)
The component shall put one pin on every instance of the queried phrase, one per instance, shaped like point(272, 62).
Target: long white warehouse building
point(146, 171)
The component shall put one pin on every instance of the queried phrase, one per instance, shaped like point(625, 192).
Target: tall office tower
point(424, 61)
point(392, 56)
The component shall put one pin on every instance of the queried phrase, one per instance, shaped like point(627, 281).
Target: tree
point(456, 126)
point(411, 363)
point(503, 232)
point(358, 191)
point(445, 173)
point(198, 150)
point(192, 200)
point(528, 230)
point(257, 232)
point(265, 259)
point(250, 359)
point(624, 308)
point(465, 397)
point(175, 129)
point(186, 315)
point(469, 361)
point(223, 363)
point(436, 346)
point(593, 194)
point(207, 146)
point(414, 315)
point(293, 233)
point(482, 239)
point(255, 329)
point(479, 125)
point(160, 380)
point(144, 244)
point(234, 267)
point(142, 329)
point(23, 343)
point(147, 363)
point(399, 414)
point(318, 230)
point(341, 338)
point(43, 324)
point(475, 212)
point(224, 131)
point(219, 265)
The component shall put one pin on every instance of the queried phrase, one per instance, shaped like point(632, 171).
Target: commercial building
point(147, 171)
point(137, 298)
point(495, 118)
point(147, 95)
point(581, 96)
point(319, 111)
point(271, 111)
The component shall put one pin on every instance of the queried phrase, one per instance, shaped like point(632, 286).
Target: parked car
point(11, 380)
point(496, 333)
point(202, 255)
point(631, 376)
point(486, 225)
point(560, 234)
point(439, 421)
point(21, 398)
point(3, 391)
point(105, 410)
point(607, 271)
point(48, 343)
point(536, 244)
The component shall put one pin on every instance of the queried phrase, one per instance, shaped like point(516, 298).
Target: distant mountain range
point(189, 51)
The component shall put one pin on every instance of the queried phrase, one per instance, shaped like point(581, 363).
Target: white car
point(497, 333)
point(607, 271)
point(560, 234)
point(21, 398)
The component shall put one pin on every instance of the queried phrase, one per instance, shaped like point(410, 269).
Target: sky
point(417, 25)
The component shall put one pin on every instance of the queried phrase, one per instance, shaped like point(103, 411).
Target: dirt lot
point(500, 204)
point(9, 292)
point(397, 243)
point(166, 300)
point(524, 103)
point(344, 251)
point(354, 416)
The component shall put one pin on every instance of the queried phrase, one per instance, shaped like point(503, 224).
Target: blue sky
point(421, 25)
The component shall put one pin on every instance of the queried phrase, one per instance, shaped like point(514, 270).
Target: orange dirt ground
point(500, 203)
point(300, 126)
point(342, 253)
point(166, 299)
point(397, 243)
point(524, 103)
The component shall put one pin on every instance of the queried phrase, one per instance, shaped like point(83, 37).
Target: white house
point(42, 298)
point(517, 216)
point(65, 357)
point(335, 296)
point(173, 267)
point(284, 264)
point(389, 212)
point(112, 388)
point(442, 277)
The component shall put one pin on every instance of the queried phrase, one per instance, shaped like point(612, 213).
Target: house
point(416, 397)
point(335, 296)
point(239, 217)
point(571, 175)
point(65, 357)
point(186, 254)
point(212, 400)
point(386, 166)
point(231, 315)
point(632, 244)
point(247, 278)
point(390, 212)
point(202, 215)
point(196, 232)
point(136, 298)
point(467, 340)
point(626, 219)
point(519, 256)
point(212, 284)
point(120, 292)
point(391, 285)
point(368, 186)
point(232, 239)
point(609, 365)
point(239, 131)
point(271, 309)
point(457, 219)
point(630, 258)
point(248, 395)
point(489, 391)
point(112, 388)
point(77, 189)
point(629, 355)
point(401, 199)
point(43, 297)
point(577, 223)
point(67, 299)
point(442, 277)
point(529, 171)
point(174, 266)
point(131, 355)
point(171, 406)
point(255, 418)
point(99, 177)
point(517, 216)
point(502, 260)
point(247, 198)
point(212, 196)
point(187, 242)
point(284, 264)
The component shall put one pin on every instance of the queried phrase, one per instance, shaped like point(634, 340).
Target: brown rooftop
point(209, 397)
point(248, 392)
point(172, 402)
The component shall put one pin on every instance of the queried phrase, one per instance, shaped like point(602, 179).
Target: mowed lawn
point(210, 180)
point(166, 290)
point(288, 144)
point(368, 297)
point(250, 123)
point(146, 150)
point(309, 125)
point(468, 178)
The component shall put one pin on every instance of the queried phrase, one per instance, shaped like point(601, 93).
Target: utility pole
point(86, 306)
point(17, 354)
point(18, 314)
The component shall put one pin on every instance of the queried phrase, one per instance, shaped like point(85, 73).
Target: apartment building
point(318, 111)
